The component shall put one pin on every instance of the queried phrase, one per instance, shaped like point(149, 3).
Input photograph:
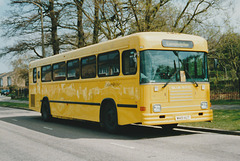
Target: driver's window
point(129, 62)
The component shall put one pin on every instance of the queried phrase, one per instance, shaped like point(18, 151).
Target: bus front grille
point(181, 95)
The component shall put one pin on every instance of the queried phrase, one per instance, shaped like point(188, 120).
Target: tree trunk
point(238, 87)
point(54, 18)
point(238, 76)
point(80, 32)
point(96, 22)
point(148, 15)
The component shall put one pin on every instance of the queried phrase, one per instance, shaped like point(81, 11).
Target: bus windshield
point(158, 66)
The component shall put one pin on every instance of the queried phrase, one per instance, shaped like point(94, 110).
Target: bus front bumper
point(176, 117)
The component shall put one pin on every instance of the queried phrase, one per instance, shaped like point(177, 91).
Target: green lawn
point(222, 119)
point(225, 102)
point(15, 105)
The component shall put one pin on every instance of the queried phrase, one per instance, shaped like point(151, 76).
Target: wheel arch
point(103, 106)
point(45, 98)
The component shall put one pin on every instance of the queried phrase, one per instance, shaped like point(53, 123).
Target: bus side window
point(59, 71)
point(108, 64)
point(73, 69)
point(46, 73)
point(88, 66)
point(34, 75)
point(129, 62)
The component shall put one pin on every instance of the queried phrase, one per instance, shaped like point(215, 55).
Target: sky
point(5, 62)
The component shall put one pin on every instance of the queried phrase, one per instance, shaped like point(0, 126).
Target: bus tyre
point(45, 111)
point(110, 121)
point(168, 127)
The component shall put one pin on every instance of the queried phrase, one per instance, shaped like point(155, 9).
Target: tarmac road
point(24, 136)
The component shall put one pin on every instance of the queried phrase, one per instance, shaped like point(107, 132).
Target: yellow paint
point(176, 99)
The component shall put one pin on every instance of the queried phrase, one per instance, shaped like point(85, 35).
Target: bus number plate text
point(186, 117)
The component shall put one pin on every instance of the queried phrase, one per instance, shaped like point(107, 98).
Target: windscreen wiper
point(171, 78)
point(175, 52)
point(194, 82)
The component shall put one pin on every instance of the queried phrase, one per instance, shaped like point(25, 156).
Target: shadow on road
point(218, 131)
point(73, 129)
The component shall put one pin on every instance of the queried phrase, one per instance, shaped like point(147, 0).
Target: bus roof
point(139, 41)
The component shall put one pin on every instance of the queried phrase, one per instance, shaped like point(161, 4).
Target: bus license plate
point(186, 117)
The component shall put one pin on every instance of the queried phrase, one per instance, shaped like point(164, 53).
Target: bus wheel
point(169, 127)
point(45, 111)
point(110, 121)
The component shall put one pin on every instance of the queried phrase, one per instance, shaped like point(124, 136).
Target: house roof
point(6, 74)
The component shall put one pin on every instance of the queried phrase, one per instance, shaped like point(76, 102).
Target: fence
point(19, 93)
point(218, 95)
point(225, 90)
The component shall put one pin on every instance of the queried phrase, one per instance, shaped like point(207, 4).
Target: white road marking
point(48, 128)
point(123, 146)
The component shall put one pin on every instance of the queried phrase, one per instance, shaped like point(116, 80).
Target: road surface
point(24, 136)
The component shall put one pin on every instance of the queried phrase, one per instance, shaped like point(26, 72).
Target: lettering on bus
point(180, 87)
point(112, 84)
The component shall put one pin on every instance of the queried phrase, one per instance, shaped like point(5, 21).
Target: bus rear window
point(46, 73)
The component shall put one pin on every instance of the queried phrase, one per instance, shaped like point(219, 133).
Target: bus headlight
point(204, 105)
point(156, 108)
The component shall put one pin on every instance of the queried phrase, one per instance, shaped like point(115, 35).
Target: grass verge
point(225, 102)
point(14, 105)
point(22, 99)
point(222, 119)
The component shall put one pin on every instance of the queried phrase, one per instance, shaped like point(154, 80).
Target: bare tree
point(72, 24)
point(23, 23)
point(191, 13)
point(96, 22)
point(80, 35)
point(54, 23)
point(169, 15)
point(145, 13)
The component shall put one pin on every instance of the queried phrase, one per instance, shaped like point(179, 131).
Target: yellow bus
point(151, 78)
